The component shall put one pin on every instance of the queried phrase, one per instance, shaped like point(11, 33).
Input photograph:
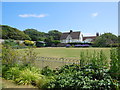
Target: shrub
point(10, 42)
point(9, 56)
point(29, 57)
point(115, 63)
point(98, 59)
point(12, 73)
point(28, 77)
point(29, 43)
point(47, 71)
point(87, 77)
point(40, 44)
point(24, 75)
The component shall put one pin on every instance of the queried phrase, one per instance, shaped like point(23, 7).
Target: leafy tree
point(55, 34)
point(49, 41)
point(35, 35)
point(106, 39)
point(13, 33)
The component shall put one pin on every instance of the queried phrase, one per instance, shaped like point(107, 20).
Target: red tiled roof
point(89, 37)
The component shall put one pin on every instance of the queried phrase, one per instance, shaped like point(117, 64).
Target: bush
point(105, 40)
point(29, 43)
point(40, 44)
point(47, 71)
point(29, 57)
point(28, 77)
point(115, 63)
point(98, 59)
point(10, 42)
point(12, 73)
point(9, 56)
point(88, 77)
point(24, 75)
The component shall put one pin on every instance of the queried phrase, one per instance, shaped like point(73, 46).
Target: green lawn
point(68, 52)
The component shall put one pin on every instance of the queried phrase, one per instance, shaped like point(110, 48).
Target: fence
point(54, 62)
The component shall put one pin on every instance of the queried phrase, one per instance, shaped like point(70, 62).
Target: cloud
point(94, 14)
point(32, 15)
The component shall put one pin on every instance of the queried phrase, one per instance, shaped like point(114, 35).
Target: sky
point(87, 17)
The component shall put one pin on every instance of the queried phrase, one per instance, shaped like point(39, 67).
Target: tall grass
point(29, 56)
point(12, 56)
point(115, 63)
point(96, 59)
point(9, 56)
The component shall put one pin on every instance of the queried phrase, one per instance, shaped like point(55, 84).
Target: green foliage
point(10, 74)
point(13, 44)
point(55, 34)
point(9, 56)
point(47, 71)
point(34, 34)
point(49, 40)
point(98, 59)
point(29, 57)
point(19, 67)
point(23, 75)
point(105, 40)
point(28, 76)
point(92, 74)
point(55, 42)
point(40, 44)
point(87, 77)
point(13, 33)
point(115, 63)
point(10, 42)
point(29, 43)
point(53, 38)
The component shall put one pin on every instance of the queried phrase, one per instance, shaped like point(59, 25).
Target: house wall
point(88, 40)
point(72, 40)
point(81, 37)
point(69, 39)
point(63, 41)
point(75, 40)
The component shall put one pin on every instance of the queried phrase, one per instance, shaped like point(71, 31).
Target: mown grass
point(67, 52)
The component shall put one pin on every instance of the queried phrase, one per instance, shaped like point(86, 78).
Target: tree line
point(8, 32)
point(53, 36)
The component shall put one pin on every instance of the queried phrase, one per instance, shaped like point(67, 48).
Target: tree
point(49, 41)
point(106, 39)
point(13, 33)
point(55, 34)
point(55, 42)
point(35, 35)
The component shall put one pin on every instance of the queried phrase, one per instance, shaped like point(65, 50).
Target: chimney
point(97, 34)
point(71, 31)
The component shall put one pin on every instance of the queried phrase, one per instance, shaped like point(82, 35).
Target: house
point(71, 36)
point(90, 38)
